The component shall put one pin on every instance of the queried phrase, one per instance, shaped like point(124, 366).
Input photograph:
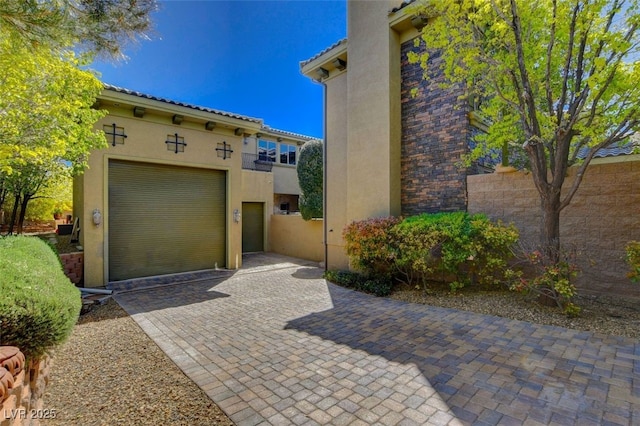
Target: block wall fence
point(22, 387)
point(602, 218)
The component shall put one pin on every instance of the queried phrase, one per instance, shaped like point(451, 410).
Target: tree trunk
point(550, 240)
point(23, 211)
point(14, 213)
point(550, 228)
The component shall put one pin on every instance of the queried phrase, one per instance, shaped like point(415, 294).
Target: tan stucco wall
point(336, 173)
point(293, 236)
point(146, 142)
point(373, 102)
point(285, 179)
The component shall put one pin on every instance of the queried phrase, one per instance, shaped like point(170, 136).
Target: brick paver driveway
point(278, 345)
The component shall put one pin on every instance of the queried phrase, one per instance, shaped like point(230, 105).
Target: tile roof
point(333, 46)
point(404, 4)
point(182, 104)
point(289, 134)
point(631, 147)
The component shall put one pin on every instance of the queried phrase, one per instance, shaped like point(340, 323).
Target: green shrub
point(371, 246)
point(38, 304)
point(553, 280)
point(378, 286)
point(309, 170)
point(453, 247)
point(633, 259)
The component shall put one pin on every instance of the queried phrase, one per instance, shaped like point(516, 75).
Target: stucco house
point(179, 188)
point(390, 153)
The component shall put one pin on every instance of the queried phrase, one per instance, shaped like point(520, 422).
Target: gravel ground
point(606, 315)
point(110, 372)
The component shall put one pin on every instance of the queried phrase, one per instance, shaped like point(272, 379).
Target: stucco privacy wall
point(293, 236)
point(601, 219)
point(145, 142)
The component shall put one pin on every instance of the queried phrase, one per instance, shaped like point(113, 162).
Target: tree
point(309, 170)
point(561, 78)
point(46, 119)
point(96, 26)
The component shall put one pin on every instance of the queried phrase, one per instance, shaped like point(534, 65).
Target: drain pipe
point(324, 176)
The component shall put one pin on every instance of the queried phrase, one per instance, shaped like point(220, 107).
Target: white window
point(287, 154)
point(267, 151)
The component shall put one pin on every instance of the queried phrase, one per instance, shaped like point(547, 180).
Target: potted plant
point(57, 213)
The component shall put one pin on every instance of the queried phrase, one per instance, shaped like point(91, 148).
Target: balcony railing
point(252, 162)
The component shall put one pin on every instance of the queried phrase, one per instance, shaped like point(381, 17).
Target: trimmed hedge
point(38, 304)
point(309, 170)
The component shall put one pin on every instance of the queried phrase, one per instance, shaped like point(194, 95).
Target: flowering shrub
point(633, 259)
point(553, 281)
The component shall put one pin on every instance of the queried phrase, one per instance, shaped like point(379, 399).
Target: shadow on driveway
point(490, 369)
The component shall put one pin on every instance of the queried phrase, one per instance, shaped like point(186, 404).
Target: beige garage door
point(164, 219)
point(252, 227)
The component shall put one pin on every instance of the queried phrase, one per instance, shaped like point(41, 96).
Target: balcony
point(252, 162)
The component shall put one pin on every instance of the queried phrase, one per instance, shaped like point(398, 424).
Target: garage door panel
point(165, 219)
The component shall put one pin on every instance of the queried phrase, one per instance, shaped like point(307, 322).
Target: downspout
point(324, 175)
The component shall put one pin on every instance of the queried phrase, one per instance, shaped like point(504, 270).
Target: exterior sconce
point(177, 119)
point(138, 112)
point(224, 150)
point(210, 125)
point(236, 216)
point(322, 73)
point(419, 22)
point(239, 131)
point(340, 64)
point(97, 217)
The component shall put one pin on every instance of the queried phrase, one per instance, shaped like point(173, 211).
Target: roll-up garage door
point(252, 227)
point(165, 219)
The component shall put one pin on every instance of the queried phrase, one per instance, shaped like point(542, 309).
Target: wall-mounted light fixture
point(210, 125)
point(419, 22)
point(138, 111)
point(224, 150)
point(177, 119)
point(236, 216)
point(322, 73)
point(340, 64)
point(96, 217)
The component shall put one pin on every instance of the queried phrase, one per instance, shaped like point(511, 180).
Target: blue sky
point(237, 56)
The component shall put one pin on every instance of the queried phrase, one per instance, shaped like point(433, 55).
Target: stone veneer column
point(435, 134)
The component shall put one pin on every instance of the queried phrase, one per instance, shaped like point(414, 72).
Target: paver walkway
point(278, 345)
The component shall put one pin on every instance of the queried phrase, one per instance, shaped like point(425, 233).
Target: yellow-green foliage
point(38, 304)
point(456, 247)
point(633, 259)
